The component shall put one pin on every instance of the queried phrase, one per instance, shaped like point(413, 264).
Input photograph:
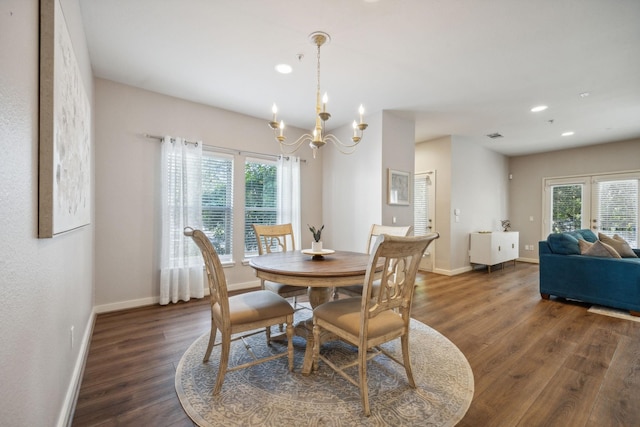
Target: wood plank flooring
point(535, 362)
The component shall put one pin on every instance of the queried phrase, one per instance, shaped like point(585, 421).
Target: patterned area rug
point(269, 395)
point(612, 312)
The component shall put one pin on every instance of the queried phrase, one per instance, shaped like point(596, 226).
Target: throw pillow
point(631, 253)
point(584, 246)
point(602, 250)
point(619, 244)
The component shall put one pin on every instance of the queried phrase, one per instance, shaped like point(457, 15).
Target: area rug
point(612, 312)
point(269, 395)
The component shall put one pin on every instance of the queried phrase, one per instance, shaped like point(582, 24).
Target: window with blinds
point(420, 205)
point(261, 199)
point(217, 201)
point(618, 209)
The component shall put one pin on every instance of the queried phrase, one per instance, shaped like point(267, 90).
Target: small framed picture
point(398, 187)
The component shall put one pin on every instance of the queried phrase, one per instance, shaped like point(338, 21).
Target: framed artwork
point(64, 189)
point(398, 187)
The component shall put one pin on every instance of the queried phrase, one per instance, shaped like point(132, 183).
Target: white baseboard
point(244, 285)
point(452, 272)
point(123, 305)
point(71, 397)
point(529, 260)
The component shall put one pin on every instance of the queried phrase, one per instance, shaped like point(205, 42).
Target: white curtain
point(289, 194)
point(181, 264)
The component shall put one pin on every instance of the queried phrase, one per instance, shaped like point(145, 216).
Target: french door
point(604, 203)
point(424, 202)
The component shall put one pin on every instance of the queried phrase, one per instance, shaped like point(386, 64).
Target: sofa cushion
point(619, 244)
point(586, 234)
point(563, 243)
point(602, 250)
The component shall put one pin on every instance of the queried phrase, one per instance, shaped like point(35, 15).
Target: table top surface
point(295, 263)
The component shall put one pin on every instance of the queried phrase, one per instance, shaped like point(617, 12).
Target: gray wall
point(46, 285)
point(525, 189)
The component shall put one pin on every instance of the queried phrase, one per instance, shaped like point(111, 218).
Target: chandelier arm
point(291, 147)
point(340, 146)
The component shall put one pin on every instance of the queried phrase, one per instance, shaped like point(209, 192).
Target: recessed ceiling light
point(584, 94)
point(284, 68)
point(539, 108)
point(568, 133)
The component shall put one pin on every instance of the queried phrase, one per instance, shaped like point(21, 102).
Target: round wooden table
point(320, 275)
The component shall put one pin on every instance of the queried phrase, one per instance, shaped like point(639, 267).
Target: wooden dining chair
point(277, 238)
point(240, 313)
point(368, 321)
point(375, 231)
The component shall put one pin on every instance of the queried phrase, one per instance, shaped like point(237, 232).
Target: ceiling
point(458, 67)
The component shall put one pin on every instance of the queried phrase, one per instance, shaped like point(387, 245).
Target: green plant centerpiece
point(316, 245)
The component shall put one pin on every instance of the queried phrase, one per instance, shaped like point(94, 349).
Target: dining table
point(320, 272)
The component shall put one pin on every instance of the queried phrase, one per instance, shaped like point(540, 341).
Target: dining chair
point(375, 231)
point(277, 238)
point(370, 320)
point(242, 313)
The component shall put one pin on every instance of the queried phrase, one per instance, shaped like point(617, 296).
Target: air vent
point(494, 135)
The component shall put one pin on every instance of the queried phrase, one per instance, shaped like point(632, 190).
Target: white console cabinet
point(493, 248)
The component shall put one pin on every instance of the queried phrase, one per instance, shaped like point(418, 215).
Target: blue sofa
point(611, 282)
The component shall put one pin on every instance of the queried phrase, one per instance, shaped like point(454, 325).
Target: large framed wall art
point(64, 188)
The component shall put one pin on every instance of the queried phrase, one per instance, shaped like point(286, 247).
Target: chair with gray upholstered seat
point(370, 320)
point(277, 238)
point(375, 231)
point(250, 312)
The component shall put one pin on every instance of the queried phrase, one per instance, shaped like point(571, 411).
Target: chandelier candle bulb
point(361, 111)
point(274, 109)
point(355, 127)
point(281, 127)
point(325, 99)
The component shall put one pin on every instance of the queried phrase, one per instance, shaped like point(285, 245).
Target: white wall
point(128, 181)
point(45, 284)
point(354, 186)
point(529, 171)
point(470, 178)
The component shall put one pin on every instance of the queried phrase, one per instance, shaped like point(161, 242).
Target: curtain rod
point(228, 150)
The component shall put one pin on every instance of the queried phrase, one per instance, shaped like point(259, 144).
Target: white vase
point(316, 246)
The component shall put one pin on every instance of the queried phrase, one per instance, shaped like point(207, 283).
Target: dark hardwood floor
point(535, 362)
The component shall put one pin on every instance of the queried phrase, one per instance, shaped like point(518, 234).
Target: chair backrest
point(274, 238)
point(391, 230)
point(401, 256)
point(215, 274)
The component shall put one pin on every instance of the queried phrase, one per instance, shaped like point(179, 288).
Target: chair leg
point(316, 347)
point(290, 342)
point(212, 340)
point(224, 361)
point(364, 388)
point(407, 359)
point(267, 332)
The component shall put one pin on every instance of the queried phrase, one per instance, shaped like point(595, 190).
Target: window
point(261, 199)
point(618, 209)
point(420, 205)
point(604, 203)
point(566, 208)
point(217, 201)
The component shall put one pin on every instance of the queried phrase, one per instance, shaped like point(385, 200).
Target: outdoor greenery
point(261, 199)
point(567, 208)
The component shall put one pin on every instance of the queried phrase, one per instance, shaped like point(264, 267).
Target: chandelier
point(318, 138)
